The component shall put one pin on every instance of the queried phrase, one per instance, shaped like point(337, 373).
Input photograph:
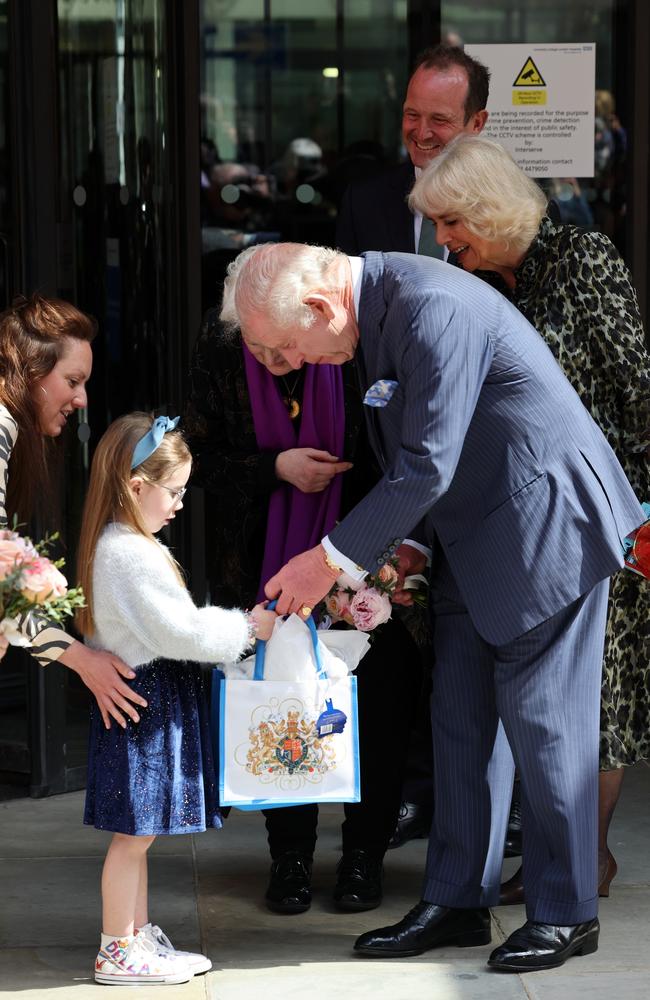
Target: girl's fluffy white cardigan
point(143, 613)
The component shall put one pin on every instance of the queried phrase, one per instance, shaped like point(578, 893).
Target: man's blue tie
point(427, 244)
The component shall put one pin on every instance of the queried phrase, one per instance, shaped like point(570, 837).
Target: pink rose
point(11, 552)
point(387, 574)
point(41, 581)
point(370, 608)
point(337, 604)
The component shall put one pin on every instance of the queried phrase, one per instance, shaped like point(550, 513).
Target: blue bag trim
point(260, 650)
point(629, 542)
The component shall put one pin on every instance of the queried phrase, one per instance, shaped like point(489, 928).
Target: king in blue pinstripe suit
point(489, 458)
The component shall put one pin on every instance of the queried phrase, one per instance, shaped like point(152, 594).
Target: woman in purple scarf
point(282, 455)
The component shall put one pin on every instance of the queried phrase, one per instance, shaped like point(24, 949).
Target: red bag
point(637, 555)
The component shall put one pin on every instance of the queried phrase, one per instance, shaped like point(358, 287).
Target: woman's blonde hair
point(476, 180)
point(110, 498)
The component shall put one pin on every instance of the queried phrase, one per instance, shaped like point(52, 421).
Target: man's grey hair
point(274, 279)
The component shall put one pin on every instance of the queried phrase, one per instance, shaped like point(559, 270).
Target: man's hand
point(301, 583)
point(410, 561)
point(308, 469)
point(102, 673)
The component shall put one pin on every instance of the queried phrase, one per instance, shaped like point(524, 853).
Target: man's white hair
point(274, 279)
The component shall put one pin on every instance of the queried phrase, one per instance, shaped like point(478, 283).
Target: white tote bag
point(289, 742)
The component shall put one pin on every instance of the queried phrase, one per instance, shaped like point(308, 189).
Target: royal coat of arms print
point(283, 743)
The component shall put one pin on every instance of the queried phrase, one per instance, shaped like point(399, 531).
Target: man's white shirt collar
point(356, 266)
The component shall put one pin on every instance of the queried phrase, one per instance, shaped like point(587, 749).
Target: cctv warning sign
point(541, 105)
point(529, 76)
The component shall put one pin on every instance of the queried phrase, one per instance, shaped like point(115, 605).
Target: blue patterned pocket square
point(380, 393)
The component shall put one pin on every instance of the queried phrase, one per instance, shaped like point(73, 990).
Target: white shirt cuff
point(347, 565)
point(424, 549)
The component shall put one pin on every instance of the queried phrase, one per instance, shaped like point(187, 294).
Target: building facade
point(144, 142)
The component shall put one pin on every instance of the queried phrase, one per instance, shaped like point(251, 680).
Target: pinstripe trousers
point(544, 686)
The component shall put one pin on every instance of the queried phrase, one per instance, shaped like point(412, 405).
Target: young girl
point(156, 777)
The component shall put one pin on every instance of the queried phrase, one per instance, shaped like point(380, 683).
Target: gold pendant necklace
point(293, 406)
point(289, 399)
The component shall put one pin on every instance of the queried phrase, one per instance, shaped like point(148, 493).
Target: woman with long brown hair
point(45, 362)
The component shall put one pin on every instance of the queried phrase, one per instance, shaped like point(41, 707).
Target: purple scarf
point(296, 520)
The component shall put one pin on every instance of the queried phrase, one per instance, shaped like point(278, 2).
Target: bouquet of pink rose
point(363, 604)
point(30, 581)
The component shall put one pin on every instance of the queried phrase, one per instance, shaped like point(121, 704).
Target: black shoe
point(512, 847)
point(358, 882)
point(544, 946)
point(427, 926)
point(289, 889)
point(413, 823)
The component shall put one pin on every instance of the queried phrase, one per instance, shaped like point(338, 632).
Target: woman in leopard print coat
point(577, 292)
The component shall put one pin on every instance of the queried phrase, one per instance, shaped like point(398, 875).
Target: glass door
point(296, 100)
point(114, 181)
point(113, 207)
point(15, 757)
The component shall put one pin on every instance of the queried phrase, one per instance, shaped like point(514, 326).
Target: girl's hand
point(264, 621)
point(4, 645)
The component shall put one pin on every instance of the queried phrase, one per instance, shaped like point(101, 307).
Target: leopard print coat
point(577, 292)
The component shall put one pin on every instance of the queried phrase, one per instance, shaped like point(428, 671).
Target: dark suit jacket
point(374, 214)
point(486, 445)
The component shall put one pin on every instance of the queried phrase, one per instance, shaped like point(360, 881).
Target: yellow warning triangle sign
point(529, 76)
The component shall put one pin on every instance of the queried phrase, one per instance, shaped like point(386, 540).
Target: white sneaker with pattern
point(136, 961)
point(197, 963)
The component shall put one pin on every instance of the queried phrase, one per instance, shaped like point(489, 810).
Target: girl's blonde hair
point(110, 498)
point(475, 179)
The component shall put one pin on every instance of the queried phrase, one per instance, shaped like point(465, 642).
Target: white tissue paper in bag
point(290, 655)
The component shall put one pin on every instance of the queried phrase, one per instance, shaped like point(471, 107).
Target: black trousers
point(418, 778)
point(390, 684)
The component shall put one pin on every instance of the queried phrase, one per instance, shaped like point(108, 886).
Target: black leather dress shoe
point(358, 884)
point(538, 946)
point(413, 823)
point(427, 926)
point(289, 888)
point(512, 846)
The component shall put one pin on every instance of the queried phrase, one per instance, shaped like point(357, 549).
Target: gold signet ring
point(305, 611)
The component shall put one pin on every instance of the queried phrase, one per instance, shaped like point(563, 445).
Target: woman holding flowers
point(45, 362)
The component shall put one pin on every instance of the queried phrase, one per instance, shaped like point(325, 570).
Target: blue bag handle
point(260, 650)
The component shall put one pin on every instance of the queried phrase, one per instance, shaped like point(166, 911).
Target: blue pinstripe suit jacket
point(485, 444)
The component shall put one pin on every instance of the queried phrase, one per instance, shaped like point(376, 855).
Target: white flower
point(9, 628)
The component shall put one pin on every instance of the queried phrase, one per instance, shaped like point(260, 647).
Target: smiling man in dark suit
point(486, 449)
point(446, 95)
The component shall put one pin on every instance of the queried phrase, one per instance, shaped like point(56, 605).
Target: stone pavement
point(208, 890)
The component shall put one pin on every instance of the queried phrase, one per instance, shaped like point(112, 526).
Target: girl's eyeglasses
point(176, 494)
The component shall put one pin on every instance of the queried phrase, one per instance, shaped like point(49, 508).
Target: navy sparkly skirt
point(157, 775)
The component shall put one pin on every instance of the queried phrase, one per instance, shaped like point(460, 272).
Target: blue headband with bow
point(148, 444)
